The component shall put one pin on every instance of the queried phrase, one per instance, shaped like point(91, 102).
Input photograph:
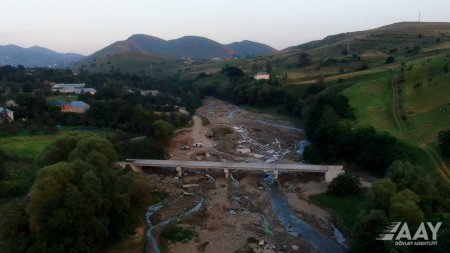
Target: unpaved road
point(188, 136)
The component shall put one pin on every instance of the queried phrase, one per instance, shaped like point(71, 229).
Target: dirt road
point(197, 133)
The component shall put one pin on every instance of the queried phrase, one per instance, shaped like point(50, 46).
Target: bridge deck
point(230, 165)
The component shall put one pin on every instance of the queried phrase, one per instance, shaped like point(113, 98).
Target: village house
point(149, 92)
point(262, 76)
point(75, 106)
point(73, 88)
point(11, 103)
point(6, 115)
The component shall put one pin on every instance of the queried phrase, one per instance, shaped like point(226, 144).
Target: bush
point(344, 185)
point(444, 142)
point(174, 234)
point(390, 59)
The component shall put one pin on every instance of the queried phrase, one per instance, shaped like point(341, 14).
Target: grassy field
point(423, 99)
point(27, 146)
point(372, 102)
point(24, 146)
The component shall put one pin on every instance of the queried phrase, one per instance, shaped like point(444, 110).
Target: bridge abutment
point(333, 172)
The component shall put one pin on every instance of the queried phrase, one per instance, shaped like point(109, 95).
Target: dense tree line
point(408, 194)
point(241, 89)
point(78, 202)
point(334, 139)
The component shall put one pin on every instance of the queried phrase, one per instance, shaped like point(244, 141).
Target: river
point(154, 208)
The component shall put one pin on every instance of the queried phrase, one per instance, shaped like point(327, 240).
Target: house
point(66, 108)
point(6, 115)
point(60, 86)
point(79, 106)
point(262, 76)
point(75, 88)
point(149, 92)
point(92, 91)
point(67, 90)
point(75, 106)
point(243, 150)
point(10, 103)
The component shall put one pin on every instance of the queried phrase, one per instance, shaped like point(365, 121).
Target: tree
point(380, 194)
point(162, 131)
point(409, 176)
point(344, 185)
point(3, 159)
point(268, 67)
point(304, 60)
point(444, 142)
point(404, 207)
point(82, 204)
point(59, 150)
point(233, 72)
point(390, 60)
point(367, 228)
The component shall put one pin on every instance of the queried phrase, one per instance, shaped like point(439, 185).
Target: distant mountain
point(36, 57)
point(188, 46)
point(252, 48)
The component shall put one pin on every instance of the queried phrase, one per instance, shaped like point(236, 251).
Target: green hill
point(181, 53)
point(396, 79)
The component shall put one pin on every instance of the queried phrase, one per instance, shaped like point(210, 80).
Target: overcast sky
point(85, 26)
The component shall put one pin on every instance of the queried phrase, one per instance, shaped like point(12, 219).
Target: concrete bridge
point(330, 171)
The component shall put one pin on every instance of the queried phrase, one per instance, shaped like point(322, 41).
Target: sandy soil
point(188, 136)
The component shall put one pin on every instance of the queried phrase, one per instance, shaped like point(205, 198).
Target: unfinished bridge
point(330, 171)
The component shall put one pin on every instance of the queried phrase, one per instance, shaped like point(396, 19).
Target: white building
point(73, 88)
point(6, 115)
point(262, 76)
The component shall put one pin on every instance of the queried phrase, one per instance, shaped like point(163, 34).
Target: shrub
point(344, 185)
point(390, 59)
point(444, 142)
point(174, 234)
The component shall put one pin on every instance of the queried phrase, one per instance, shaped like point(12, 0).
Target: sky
point(86, 26)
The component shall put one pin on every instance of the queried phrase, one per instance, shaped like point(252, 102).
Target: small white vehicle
point(184, 147)
point(197, 145)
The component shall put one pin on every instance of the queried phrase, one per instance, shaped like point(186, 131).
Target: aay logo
point(400, 233)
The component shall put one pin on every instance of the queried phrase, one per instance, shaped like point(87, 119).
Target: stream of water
point(154, 208)
point(297, 227)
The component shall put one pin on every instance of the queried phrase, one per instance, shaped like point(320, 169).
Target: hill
point(36, 57)
point(188, 46)
point(395, 77)
point(251, 48)
point(167, 55)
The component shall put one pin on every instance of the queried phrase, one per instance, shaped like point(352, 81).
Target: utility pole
point(419, 16)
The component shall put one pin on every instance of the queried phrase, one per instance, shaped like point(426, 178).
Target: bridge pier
point(180, 171)
point(227, 173)
point(275, 174)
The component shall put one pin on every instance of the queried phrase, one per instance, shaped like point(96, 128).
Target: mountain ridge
point(189, 46)
point(36, 56)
